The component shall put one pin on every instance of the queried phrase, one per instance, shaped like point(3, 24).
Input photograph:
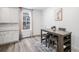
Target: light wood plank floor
point(32, 44)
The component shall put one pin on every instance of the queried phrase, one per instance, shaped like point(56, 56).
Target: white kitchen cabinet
point(12, 26)
point(9, 25)
point(8, 36)
point(9, 15)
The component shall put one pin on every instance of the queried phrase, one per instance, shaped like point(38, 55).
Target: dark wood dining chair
point(53, 28)
point(45, 38)
point(54, 38)
point(62, 29)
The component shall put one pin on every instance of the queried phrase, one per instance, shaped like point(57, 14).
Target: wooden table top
point(57, 31)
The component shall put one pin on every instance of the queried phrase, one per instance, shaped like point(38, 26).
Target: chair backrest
point(53, 28)
point(62, 29)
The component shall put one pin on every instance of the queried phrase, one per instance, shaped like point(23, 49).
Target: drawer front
point(5, 27)
point(9, 36)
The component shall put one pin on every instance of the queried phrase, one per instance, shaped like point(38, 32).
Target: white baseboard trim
point(31, 36)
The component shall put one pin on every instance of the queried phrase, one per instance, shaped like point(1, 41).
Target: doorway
point(26, 30)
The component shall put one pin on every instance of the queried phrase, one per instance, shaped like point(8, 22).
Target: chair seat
point(44, 35)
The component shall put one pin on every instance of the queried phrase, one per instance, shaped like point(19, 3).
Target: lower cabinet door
point(9, 36)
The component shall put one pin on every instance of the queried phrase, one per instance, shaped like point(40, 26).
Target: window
point(26, 21)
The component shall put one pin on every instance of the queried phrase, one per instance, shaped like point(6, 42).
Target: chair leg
point(41, 40)
point(49, 43)
point(46, 42)
point(53, 43)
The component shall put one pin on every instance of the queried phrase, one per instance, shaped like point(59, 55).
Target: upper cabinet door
point(9, 15)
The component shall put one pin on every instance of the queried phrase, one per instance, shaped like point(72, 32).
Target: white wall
point(48, 15)
point(37, 16)
point(70, 21)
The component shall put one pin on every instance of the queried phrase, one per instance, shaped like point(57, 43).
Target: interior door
point(27, 21)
